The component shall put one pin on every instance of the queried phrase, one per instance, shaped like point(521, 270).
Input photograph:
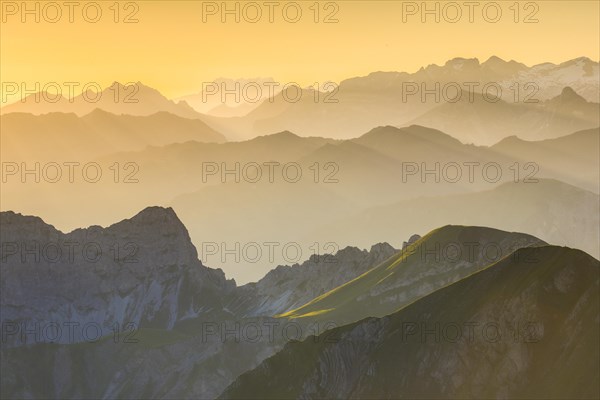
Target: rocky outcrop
point(141, 272)
point(288, 287)
point(411, 240)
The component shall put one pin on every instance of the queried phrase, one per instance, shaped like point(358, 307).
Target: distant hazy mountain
point(571, 158)
point(398, 98)
point(524, 327)
point(543, 209)
point(67, 137)
point(483, 122)
point(158, 165)
point(294, 109)
point(223, 110)
point(133, 99)
point(581, 74)
point(245, 213)
point(337, 114)
point(456, 71)
point(231, 97)
point(352, 176)
point(380, 98)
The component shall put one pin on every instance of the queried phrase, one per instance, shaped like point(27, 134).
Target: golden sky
point(172, 49)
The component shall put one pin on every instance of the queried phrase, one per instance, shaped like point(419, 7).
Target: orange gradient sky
point(172, 49)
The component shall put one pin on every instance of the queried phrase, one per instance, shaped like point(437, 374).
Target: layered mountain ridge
point(499, 332)
point(187, 312)
point(527, 106)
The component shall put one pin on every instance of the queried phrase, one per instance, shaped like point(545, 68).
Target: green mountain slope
point(525, 327)
point(443, 256)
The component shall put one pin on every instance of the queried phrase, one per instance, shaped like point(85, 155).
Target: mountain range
point(29, 137)
point(534, 294)
point(543, 209)
point(399, 99)
point(331, 201)
point(133, 98)
point(489, 122)
point(362, 181)
point(539, 102)
point(230, 97)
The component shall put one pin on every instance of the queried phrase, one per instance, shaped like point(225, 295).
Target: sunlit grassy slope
point(555, 289)
point(441, 257)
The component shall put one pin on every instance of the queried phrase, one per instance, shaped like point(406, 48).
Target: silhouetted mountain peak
point(10, 219)
point(156, 213)
point(380, 248)
point(502, 67)
point(383, 129)
point(568, 96)
point(413, 239)
point(494, 60)
point(406, 134)
point(568, 93)
point(156, 220)
point(281, 137)
point(99, 112)
point(582, 61)
point(509, 140)
point(460, 63)
point(285, 134)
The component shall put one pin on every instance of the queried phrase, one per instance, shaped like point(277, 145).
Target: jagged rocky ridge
point(287, 287)
point(206, 345)
point(143, 270)
point(183, 342)
point(146, 271)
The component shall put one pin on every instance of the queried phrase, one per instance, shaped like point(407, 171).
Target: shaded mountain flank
point(523, 327)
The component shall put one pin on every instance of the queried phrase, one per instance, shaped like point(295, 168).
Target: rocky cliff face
point(141, 272)
point(288, 287)
point(138, 313)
